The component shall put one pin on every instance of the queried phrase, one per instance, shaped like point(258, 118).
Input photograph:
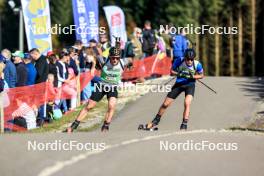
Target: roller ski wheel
point(68, 130)
point(147, 128)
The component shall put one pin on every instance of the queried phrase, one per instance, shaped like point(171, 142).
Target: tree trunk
point(240, 43)
point(197, 41)
point(231, 47)
point(253, 42)
point(217, 55)
point(204, 55)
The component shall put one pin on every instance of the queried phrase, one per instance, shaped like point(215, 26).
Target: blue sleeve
point(13, 76)
point(32, 73)
point(74, 67)
point(10, 75)
point(7, 75)
point(177, 63)
point(199, 68)
point(6, 85)
point(184, 44)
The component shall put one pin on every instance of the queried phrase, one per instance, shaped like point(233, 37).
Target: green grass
point(57, 125)
point(247, 129)
point(99, 111)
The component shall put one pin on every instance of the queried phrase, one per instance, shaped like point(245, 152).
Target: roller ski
point(147, 128)
point(152, 126)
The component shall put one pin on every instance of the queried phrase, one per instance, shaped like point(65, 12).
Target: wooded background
point(221, 55)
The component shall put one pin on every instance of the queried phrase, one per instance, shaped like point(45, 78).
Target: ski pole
point(207, 86)
point(163, 84)
point(169, 81)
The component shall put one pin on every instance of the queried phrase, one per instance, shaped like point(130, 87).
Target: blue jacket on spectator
point(179, 44)
point(10, 74)
point(74, 66)
point(32, 73)
point(22, 74)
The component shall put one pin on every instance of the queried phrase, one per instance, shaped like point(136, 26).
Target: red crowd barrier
point(39, 94)
point(155, 64)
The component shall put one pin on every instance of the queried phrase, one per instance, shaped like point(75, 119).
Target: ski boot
point(184, 125)
point(73, 127)
point(105, 127)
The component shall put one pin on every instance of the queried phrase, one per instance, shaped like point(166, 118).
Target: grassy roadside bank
point(95, 117)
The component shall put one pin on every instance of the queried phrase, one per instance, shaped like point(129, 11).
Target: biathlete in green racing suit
point(110, 78)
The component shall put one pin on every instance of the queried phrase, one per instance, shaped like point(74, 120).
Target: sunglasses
point(115, 58)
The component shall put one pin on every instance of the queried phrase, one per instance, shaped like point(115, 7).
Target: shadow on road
point(254, 87)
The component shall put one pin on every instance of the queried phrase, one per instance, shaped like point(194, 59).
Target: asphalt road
point(166, 152)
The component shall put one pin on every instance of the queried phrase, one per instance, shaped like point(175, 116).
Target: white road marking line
point(50, 170)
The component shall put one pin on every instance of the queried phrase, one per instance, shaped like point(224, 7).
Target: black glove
point(191, 74)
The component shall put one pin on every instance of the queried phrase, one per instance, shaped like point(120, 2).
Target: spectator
point(90, 63)
point(137, 46)
point(128, 51)
point(105, 45)
point(63, 74)
point(161, 45)
point(98, 53)
point(90, 60)
point(32, 72)
point(10, 69)
point(42, 69)
point(21, 69)
point(74, 62)
point(2, 66)
point(51, 104)
point(179, 45)
point(4, 98)
point(93, 44)
point(52, 58)
point(51, 87)
point(136, 40)
point(41, 65)
point(62, 67)
point(149, 40)
point(167, 39)
point(24, 116)
point(78, 45)
point(70, 88)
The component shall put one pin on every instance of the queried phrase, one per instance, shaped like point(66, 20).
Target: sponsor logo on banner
point(116, 22)
point(116, 19)
point(86, 20)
